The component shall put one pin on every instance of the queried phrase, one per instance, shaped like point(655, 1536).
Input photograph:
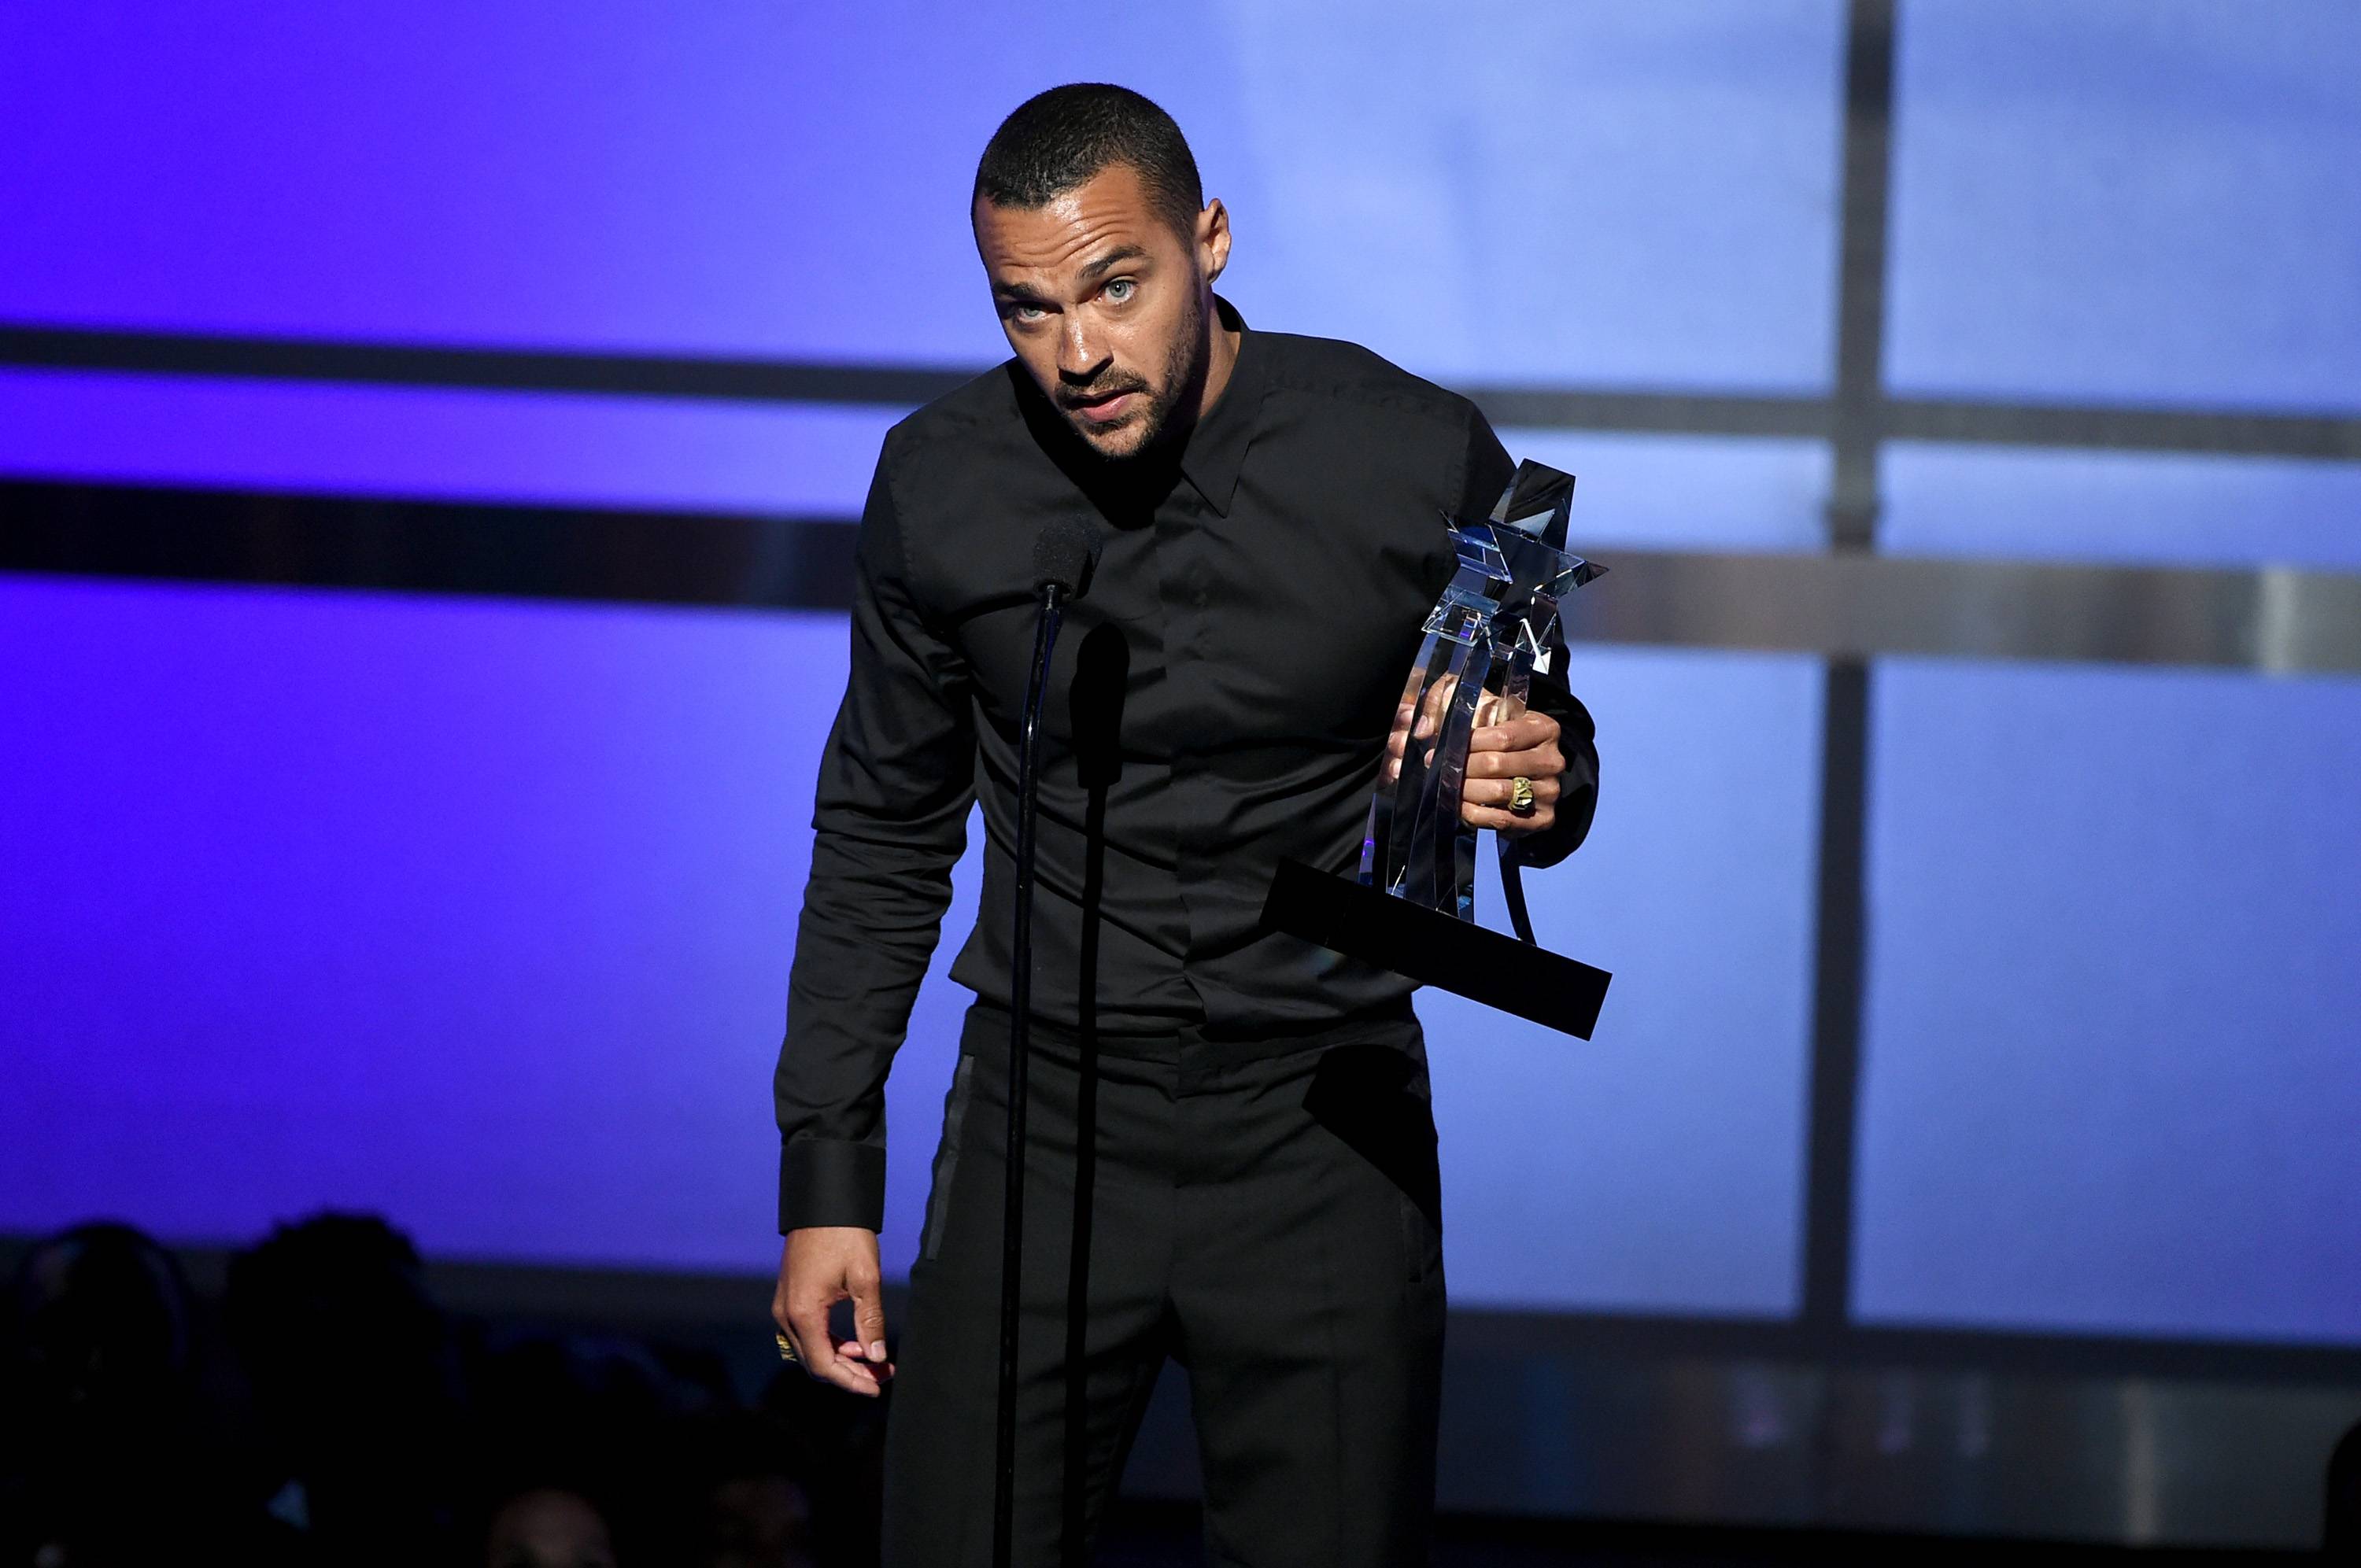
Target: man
point(1231, 1154)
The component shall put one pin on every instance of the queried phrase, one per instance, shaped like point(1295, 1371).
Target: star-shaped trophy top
point(1522, 546)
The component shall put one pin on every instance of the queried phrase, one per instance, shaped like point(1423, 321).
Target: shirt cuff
point(831, 1181)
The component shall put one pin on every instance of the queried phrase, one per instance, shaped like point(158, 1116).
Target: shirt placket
point(1183, 596)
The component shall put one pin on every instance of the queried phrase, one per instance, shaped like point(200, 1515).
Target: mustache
point(1075, 396)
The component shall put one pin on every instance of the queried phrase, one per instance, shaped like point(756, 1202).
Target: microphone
point(1063, 558)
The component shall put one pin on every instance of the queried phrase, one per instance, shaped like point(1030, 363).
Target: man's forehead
point(1108, 212)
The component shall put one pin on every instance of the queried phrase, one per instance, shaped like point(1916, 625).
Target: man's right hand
point(821, 1265)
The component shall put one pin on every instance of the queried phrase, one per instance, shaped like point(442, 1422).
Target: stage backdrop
point(479, 911)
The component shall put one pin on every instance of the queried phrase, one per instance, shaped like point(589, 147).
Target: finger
point(1507, 822)
point(1522, 733)
point(809, 1332)
point(1398, 738)
point(856, 1354)
point(1541, 762)
point(1494, 709)
point(849, 1360)
point(849, 1376)
point(1436, 707)
point(869, 1317)
point(1503, 792)
point(855, 1360)
point(1529, 732)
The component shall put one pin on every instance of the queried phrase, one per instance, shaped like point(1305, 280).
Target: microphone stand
point(1020, 1007)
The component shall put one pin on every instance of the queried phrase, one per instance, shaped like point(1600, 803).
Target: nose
point(1081, 357)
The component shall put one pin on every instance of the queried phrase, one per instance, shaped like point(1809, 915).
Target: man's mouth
point(1107, 407)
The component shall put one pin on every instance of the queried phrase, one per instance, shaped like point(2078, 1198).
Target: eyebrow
point(1121, 253)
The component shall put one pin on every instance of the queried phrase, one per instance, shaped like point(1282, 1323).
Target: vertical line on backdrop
point(1838, 895)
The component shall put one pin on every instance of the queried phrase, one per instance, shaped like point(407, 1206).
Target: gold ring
point(786, 1346)
point(1521, 795)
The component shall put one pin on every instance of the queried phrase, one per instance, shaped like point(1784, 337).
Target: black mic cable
point(1062, 567)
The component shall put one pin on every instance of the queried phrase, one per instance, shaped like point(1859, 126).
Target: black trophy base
point(1435, 949)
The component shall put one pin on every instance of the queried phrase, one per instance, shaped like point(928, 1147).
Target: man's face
point(1104, 303)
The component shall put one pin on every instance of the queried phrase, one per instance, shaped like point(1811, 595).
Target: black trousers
point(1265, 1212)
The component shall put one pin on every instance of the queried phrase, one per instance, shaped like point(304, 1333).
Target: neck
point(1220, 358)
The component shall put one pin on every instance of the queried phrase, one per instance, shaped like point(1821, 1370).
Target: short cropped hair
point(1056, 141)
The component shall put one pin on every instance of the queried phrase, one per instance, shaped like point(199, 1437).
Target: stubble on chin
point(1128, 439)
point(1183, 374)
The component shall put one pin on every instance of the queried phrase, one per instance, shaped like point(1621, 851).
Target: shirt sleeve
point(1486, 473)
point(889, 822)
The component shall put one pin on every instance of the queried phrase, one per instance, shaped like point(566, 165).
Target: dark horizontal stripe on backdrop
point(528, 552)
point(2332, 435)
point(1853, 606)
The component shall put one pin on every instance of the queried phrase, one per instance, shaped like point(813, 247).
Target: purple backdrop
point(479, 911)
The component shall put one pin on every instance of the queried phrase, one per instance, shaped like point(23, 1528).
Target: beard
point(1183, 376)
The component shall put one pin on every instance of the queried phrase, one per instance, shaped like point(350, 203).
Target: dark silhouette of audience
point(327, 1409)
point(119, 1443)
point(356, 1385)
point(548, 1526)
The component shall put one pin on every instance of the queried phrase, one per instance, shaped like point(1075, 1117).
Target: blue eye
point(1122, 290)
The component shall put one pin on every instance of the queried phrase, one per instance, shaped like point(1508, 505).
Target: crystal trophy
point(1413, 910)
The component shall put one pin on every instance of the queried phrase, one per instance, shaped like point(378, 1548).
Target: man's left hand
point(1499, 755)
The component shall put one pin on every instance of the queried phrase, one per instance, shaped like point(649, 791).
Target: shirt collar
point(1216, 450)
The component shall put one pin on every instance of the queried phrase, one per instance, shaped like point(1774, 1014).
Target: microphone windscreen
point(1062, 555)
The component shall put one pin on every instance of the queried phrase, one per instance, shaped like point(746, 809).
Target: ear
point(1213, 239)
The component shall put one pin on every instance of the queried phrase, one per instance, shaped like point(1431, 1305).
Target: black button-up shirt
point(1220, 698)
